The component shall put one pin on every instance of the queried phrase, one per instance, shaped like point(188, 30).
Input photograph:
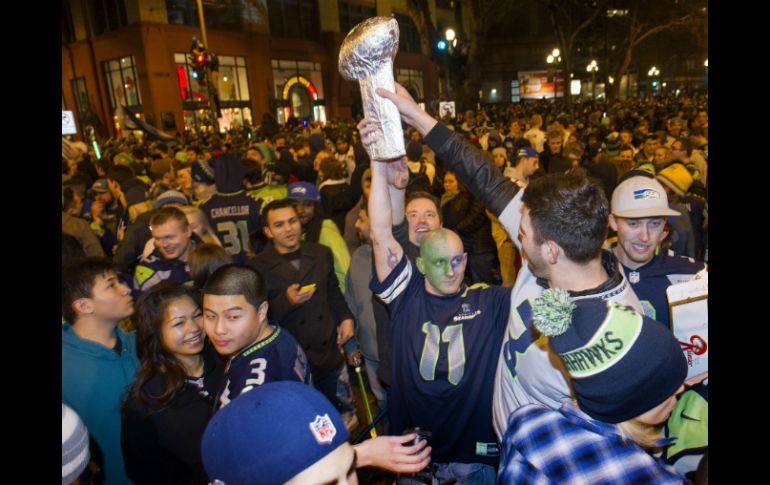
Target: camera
point(424, 476)
point(422, 435)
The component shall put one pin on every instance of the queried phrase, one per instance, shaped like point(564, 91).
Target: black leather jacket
point(472, 168)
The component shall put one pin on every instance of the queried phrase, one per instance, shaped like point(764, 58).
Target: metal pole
point(365, 398)
point(202, 23)
point(210, 81)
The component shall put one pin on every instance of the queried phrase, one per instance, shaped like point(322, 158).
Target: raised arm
point(472, 168)
point(386, 250)
point(397, 174)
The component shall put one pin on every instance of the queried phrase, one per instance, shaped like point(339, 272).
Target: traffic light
point(199, 60)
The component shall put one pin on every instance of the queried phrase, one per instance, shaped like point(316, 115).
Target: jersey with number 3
point(444, 351)
point(277, 357)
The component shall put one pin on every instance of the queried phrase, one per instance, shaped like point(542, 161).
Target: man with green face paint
point(442, 261)
point(445, 337)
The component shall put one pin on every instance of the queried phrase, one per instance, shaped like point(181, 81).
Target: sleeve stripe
point(399, 284)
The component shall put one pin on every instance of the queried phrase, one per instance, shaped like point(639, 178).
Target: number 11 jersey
point(444, 353)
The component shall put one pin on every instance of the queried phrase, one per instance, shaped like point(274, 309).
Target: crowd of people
point(503, 285)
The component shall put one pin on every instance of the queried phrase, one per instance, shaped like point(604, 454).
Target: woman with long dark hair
point(464, 214)
point(172, 397)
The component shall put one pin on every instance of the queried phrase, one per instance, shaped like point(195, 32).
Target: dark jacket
point(362, 163)
point(302, 169)
point(467, 217)
point(162, 446)
point(336, 201)
point(546, 156)
point(314, 323)
point(484, 180)
point(131, 247)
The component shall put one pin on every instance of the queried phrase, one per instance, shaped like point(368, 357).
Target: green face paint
point(442, 261)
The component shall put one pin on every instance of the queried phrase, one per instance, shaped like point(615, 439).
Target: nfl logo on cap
point(323, 429)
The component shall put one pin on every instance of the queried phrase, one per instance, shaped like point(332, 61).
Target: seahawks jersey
point(443, 350)
point(234, 217)
point(277, 357)
point(651, 280)
point(154, 268)
point(527, 372)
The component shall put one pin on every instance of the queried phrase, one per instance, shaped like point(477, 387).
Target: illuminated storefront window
point(233, 90)
point(298, 89)
point(122, 84)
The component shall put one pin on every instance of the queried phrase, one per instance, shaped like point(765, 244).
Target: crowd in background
point(166, 215)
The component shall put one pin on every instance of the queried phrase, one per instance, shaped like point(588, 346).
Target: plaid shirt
point(566, 446)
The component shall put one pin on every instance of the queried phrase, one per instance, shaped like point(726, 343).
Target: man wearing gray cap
point(109, 207)
point(639, 210)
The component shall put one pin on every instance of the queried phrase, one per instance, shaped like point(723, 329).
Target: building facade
point(275, 56)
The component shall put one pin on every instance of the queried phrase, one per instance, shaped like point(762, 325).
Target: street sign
point(68, 123)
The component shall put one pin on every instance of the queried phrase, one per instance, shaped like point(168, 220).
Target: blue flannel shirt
point(566, 446)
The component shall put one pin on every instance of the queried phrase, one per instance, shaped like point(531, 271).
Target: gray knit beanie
point(74, 445)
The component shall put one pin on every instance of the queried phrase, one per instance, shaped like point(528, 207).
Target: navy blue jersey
point(233, 217)
point(650, 281)
point(444, 351)
point(154, 268)
point(277, 357)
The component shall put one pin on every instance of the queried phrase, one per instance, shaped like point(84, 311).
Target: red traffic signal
point(200, 59)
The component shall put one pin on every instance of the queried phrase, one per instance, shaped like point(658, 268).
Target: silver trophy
point(366, 56)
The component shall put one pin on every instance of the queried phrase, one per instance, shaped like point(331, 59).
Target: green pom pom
point(553, 312)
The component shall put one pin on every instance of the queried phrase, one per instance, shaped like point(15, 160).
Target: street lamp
point(446, 45)
point(653, 72)
point(592, 68)
point(554, 58)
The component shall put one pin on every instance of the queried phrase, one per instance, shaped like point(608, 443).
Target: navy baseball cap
point(303, 191)
point(270, 434)
point(526, 152)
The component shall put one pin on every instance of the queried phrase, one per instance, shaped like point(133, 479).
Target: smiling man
point(420, 216)
point(174, 240)
point(639, 212)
